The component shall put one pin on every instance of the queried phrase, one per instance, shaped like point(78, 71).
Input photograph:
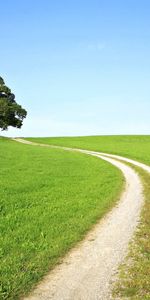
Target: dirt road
point(87, 270)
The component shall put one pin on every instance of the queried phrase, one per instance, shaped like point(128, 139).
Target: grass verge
point(49, 199)
point(134, 281)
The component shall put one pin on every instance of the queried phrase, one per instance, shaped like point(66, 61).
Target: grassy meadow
point(49, 199)
point(131, 146)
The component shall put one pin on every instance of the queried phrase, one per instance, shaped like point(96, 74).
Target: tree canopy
point(11, 113)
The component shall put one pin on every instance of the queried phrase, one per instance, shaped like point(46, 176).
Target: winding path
point(87, 270)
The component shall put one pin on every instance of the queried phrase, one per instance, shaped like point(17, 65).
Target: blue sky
point(78, 67)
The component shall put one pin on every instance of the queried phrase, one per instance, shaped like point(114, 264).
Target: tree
point(11, 113)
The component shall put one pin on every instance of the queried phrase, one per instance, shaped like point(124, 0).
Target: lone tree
point(11, 113)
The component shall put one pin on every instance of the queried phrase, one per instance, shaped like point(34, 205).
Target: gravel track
point(87, 271)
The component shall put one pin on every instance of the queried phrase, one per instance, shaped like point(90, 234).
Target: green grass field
point(49, 199)
point(135, 147)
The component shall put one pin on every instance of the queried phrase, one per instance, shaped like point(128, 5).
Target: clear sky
point(79, 67)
